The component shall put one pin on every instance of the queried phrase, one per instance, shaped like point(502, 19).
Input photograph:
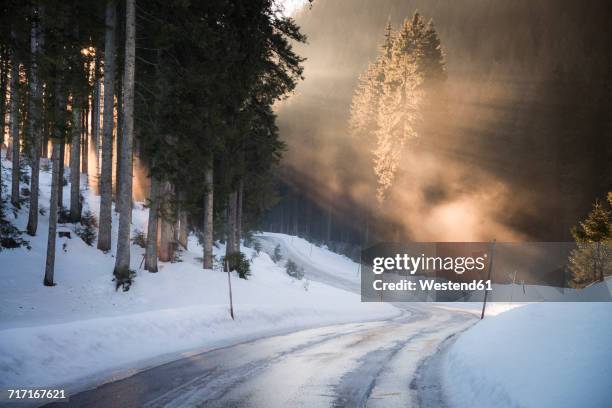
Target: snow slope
point(539, 355)
point(83, 331)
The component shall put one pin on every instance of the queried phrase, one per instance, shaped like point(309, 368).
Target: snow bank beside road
point(539, 355)
point(180, 308)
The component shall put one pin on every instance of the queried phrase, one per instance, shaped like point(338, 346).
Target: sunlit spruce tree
point(395, 93)
point(592, 260)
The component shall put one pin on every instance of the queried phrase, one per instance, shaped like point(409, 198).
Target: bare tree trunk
point(75, 163)
point(239, 214)
point(125, 217)
point(53, 209)
point(106, 177)
point(208, 219)
point(36, 43)
point(183, 226)
point(151, 248)
point(14, 119)
point(166, 230)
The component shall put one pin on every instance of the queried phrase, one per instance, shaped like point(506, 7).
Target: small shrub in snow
point(10, 236)
point(248, 239)
point(257, 246)
point(294, 270)
point(123, 278)
point(139, 238)
point(64, 216)
point(24, 176)
point(87, 229)
point(277, 257)
point(237, 261)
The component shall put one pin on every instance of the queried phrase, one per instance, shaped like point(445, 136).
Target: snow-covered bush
point(87, 230)
point(139, 238)
point(257, 246)
point(294, 270)
point(123, 278)
point(237, 261)
point(10, 236)
point(277, 257)
point(248, 239)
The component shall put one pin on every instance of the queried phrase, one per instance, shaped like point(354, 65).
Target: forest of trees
point(187, 87)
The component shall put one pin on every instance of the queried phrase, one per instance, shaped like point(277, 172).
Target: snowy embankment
point(539, 355)
point(82, 331)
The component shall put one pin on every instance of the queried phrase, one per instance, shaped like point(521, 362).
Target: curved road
point(354, 365)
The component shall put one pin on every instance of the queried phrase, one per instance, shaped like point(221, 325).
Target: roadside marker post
point(229, 284)
point(484, 303)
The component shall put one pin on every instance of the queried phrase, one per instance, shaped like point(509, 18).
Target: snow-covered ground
point(82, 330)
point(539, 355)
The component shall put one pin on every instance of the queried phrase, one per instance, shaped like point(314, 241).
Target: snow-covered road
point(359, 364)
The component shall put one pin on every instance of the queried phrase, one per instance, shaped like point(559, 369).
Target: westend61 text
point(432, 284)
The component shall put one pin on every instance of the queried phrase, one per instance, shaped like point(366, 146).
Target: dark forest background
point(521, 151)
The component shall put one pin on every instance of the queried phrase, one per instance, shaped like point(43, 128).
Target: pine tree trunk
point(3, 85)
point(53, 209)
point(208, 219)
point(36, 42)
point(119, 137)
point(75, 163)
point(14, 119)
point(95, 121)
point(230, 246)
point(122, 262)
point(45, 129)
point(60, 187)
point(151, 248)
point(85, 141)
point(183, 226)
point(166, 230)
point(239, 214)
point(106, 177)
